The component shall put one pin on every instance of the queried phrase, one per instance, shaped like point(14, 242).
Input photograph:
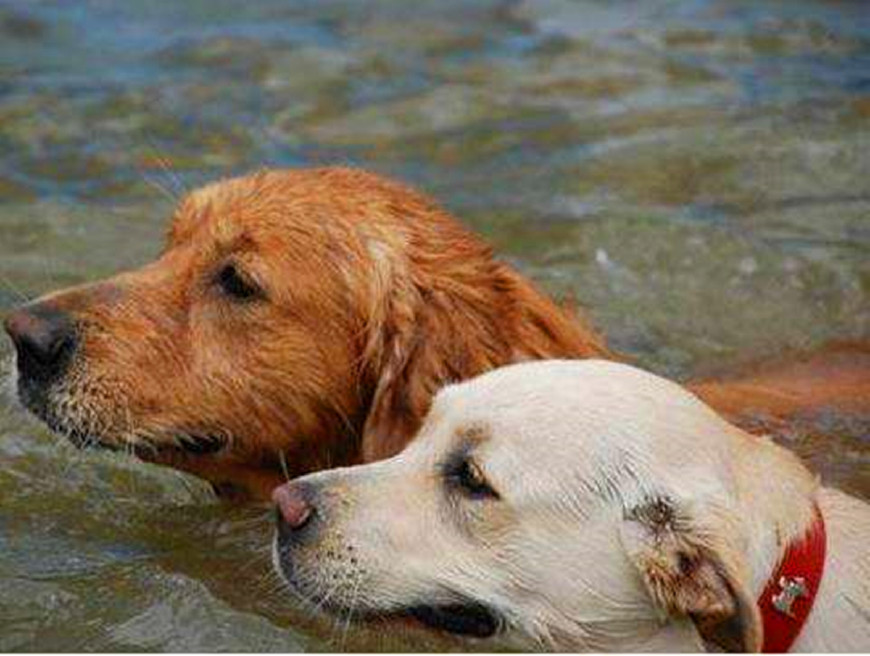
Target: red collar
point(788, 597)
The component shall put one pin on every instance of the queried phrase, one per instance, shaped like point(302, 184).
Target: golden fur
point(369, 299)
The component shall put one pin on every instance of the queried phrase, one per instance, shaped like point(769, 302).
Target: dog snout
point(44, 338)
point(294, 501)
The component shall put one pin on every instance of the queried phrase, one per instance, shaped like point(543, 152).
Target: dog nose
point(44, 339)
point(293, 505)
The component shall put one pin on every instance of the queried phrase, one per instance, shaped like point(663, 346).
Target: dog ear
point(429, 341)
point(692, 571)
point(403, 362)
point(423, 334)
point(445, 314)
point(401, 391)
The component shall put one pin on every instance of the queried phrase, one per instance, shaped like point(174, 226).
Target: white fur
point(572, 447)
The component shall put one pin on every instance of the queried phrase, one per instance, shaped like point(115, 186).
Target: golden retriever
point(298, 320)
point(583, 505)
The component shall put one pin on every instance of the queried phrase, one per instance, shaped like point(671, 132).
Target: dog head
point(294, 318)
point(571, 505)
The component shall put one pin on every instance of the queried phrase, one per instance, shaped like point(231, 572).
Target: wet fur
point(374, 299)
point(628, 516)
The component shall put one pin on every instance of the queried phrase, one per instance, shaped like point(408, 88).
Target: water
point(697, 174)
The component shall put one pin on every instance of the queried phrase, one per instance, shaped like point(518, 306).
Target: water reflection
point(696, 173)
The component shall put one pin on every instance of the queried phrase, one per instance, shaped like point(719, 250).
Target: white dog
point(585, 505)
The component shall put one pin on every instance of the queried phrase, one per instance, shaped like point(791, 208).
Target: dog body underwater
point(578, 505)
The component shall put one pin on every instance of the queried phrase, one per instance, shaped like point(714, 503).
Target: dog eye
point(235, 285)
point(470, 479)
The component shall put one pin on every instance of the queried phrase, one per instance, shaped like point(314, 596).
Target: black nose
point(45, 339)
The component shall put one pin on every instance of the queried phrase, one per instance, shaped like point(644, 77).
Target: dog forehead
point(286, 198)
point(230, 217)
point(578, 408)
point(225, 214)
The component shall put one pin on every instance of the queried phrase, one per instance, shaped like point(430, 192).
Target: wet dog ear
point(406, 376)
point(427, 327)
point(692, 571)
point(406, 356)
point(442, 314)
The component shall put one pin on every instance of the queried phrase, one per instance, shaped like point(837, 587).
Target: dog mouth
point(465, 618)
point(171, 445)
point(468, 619)
point(178, 444)
point(52, 402)
point(150, 450)
point(193, 444)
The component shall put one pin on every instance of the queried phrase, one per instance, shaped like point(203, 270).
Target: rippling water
point(695, 173)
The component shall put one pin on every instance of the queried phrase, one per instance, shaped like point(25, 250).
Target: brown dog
point(299, 319)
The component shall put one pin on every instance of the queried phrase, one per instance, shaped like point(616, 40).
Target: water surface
point(695, 173)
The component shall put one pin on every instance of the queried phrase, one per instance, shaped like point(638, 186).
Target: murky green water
point(696, 173)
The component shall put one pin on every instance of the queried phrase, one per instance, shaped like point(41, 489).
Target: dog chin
point(465, 618)
point(43, 405)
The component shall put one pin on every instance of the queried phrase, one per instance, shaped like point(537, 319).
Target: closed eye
point(234, 284)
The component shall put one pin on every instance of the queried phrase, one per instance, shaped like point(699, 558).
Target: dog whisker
point(166, 167)
point(20, 295)
point(351, 606)
point(283, 460)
